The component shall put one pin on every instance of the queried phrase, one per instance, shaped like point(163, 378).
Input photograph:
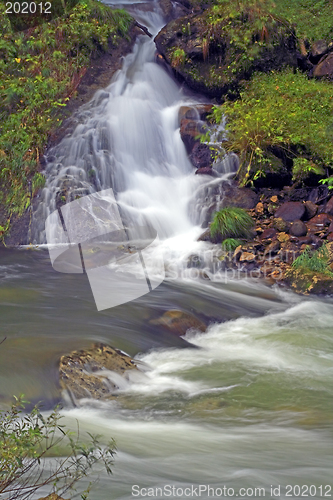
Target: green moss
point(39, 71)
point(311, 272)
point(313, 19)
point(280, 110)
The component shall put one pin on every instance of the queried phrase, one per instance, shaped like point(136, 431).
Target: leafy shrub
point(316, 262)
point(231, 222)
point(279, 110)
point(27, 439)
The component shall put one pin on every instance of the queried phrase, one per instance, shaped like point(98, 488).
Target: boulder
point(318, 223)
point(178, 322)
point(215, 64)
point(239, 197)
point(310, 209)
point(290, 211)
point(201, 155)
point(329, 206)
point(268, 233)
point(298, 228)
point(206, 171)
point(281, 225)
point(88, 373)
point(189, 130)
point(318, 49)
point(325, 67)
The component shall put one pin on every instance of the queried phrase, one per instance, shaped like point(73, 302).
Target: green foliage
point(284, 110)
point(316, 262)
point(302, 168)
point(231, 222)
point(313, 19)
point(178, 57)
point(27, 439)
point(39, 71)
point(328, 182)
point(230, 244)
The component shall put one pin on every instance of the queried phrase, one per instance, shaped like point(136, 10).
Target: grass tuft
point(231, 222)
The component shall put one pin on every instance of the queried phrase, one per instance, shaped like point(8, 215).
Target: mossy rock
point(85, 373)
point(309, 282)
point(217, 49)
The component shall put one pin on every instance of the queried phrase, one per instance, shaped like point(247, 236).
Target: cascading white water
point(128, 139)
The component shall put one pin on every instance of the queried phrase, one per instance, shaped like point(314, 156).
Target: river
point(247, 404)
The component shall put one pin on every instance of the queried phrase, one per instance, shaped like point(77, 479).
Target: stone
point(239, 197)
point(283, 237)
point(310, 209)
point(189, 130)
point(316, 242)
point(319, 48)
point(281, 225)
point(290, 211)
point(259, 208)
point(268, 233)
point(272, 248)
point(201, 155)
point(318, 223)
point(274, 199)
point(330, 237)
point(205, 236)
point(206, 171)
point(330, 228)
point(78, 372)
point(325, 67)
point(237, 253)
point(298, 228)
point(179, 322)
point(329, 206)
point(230, 163)
point(247, 257)
point(305, 240)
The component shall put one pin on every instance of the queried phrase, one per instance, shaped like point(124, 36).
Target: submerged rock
point(87, 373)
point(178, 322)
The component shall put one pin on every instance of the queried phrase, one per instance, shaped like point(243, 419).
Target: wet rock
point(86, 373)
point(205, 236)
point(305, 240)
point(179, 322)
point(310, 209)
point(201, 155)
point(290, 211)
point(318, 223)
point(206, 171)
point(316, 242)
point(325, 67)
point(239, 197)
point(195, 261)
point(268, 233)
point(247, 257)
point(281, 225)
point(272, 248)
point(330, 237)
point(189, 130)
point(329, 206)
point(330, 228)
point(298, 228)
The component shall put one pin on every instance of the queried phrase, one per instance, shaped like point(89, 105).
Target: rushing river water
point(248, 404)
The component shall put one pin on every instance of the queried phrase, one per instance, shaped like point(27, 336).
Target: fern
point(231, 222)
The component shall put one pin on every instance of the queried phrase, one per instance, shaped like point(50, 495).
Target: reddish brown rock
point(310, 208)
point(206, 171)
point(290, 211)
point(318, 223)
point(305, 240)
point(330, 228)
point(324, 67)
point(330, 237)
point(268, 233)
point(298, 228)
point(272, 248)
point(329, 206)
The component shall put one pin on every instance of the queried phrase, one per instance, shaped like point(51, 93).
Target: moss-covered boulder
point(95, 372)
point(215, 50)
